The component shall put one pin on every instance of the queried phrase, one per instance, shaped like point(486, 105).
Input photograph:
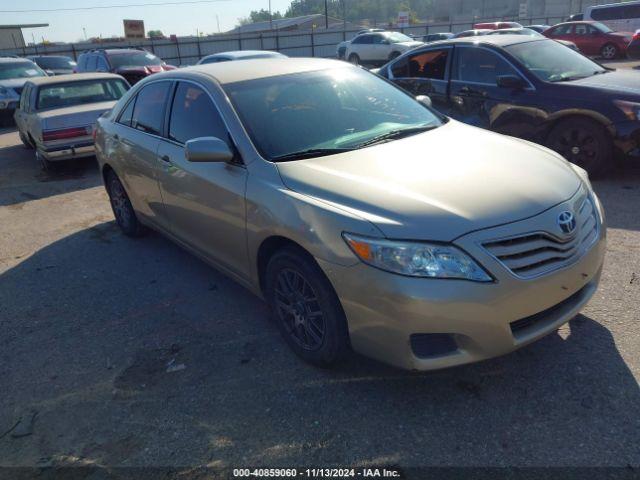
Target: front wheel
point(584, 142)
point(306, 308)
point(122, 209)
point(609, 51)
point(354, 58)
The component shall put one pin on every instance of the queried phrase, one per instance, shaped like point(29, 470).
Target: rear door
point(23, 107)
point(561, 32)
point(426, 72)
point(136, 140)
point(588, 38)
point(478, 100)
point(204, 202)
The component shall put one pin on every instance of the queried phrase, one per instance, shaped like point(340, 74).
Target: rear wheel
point(584, 142)
point(306, 308)
point(609, 51)
point(354, 58)
point(122, 209)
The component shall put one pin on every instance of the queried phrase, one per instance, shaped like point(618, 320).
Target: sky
point(186, 19)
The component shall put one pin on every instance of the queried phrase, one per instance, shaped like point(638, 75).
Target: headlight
point(630, 109)
point(416, 259)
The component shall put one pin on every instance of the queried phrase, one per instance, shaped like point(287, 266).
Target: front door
point(476, 98)
point(204, 202)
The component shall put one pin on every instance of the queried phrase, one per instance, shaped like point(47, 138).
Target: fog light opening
point(433, 345)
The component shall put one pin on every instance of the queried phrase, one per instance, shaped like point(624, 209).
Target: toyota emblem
point(567, 222)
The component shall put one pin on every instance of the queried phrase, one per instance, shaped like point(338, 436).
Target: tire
point(47, 165)
point(25, 141)
point(354, 58)
point(306, 308)
point(126, 217)
point(584, 142)
point(609, 51)
point(393, 55)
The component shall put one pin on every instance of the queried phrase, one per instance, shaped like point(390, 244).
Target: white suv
point(379, 47)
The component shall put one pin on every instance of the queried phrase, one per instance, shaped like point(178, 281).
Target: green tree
point(261, 15)
point(155, 34)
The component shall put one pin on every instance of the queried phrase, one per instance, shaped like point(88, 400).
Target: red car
point(496, 25)
point(592, 38)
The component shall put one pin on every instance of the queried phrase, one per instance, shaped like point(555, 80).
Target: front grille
point(535, 254)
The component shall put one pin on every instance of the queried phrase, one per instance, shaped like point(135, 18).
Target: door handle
point(165, 158)
point(116, 136)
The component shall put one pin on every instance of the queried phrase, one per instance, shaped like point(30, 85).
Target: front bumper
point(387, 312)
point(69, 151)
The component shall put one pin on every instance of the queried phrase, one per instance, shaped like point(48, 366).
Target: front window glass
point(602, 27)
point(53, 63)
point(329, 110)
point(60, 95)
point(553, 62)
point(138, 59)
point(20, 70)
point(194, 115)
point(480, 66)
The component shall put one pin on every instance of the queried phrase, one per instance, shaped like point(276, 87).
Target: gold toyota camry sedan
point(366, 220)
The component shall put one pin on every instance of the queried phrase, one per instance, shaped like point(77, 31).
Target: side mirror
point(207, 149)
point(512, 82)
point(425, 100)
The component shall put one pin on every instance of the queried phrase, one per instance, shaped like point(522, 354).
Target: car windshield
point(137, 59)
point(602, 27)
point(324, 112)
point(20, 70)
point(56, 63)
point(68, 94)
point(395, 37)
point(551, 61)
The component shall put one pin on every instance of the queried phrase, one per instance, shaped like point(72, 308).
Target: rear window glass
point(60, 95)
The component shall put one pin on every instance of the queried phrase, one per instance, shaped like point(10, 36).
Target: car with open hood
point(355, 210)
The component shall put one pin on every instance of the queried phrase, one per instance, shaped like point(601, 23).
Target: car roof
point(495, 40)
point(253, 69)
point(74, 77)
point(47, 56)
point(14, 60)
point(242, 53)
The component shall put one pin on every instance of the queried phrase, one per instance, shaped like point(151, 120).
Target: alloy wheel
point(609, 52)
point(578, 146)
point(299, 310)
point(120, 203)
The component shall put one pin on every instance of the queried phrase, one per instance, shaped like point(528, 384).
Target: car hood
point(13, 82)
point(411, 44)
point(619, 82)
point(433, 186)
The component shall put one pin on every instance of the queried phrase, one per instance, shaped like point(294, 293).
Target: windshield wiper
point(396, 134)
point(310, 153)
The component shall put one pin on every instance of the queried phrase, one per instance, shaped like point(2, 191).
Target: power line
point(163, 4)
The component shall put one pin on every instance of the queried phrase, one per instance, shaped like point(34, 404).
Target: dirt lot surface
point(120, 352)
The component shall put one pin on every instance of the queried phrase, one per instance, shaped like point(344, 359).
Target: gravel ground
point(91, 320)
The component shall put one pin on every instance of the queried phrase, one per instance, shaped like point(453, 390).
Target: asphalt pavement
point(117, 353)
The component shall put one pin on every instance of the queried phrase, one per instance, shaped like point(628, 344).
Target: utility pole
point(270, 17)
point(326, 13)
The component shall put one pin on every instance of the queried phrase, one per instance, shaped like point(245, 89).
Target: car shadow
point(22, 178)
point(134, 352)
point(621, 188)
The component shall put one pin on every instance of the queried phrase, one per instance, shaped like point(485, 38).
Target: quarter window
point(148, 113)
point(194, 115)
point(363, 40)
point(480, 66)
point(127, 114)
point(562, 30)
